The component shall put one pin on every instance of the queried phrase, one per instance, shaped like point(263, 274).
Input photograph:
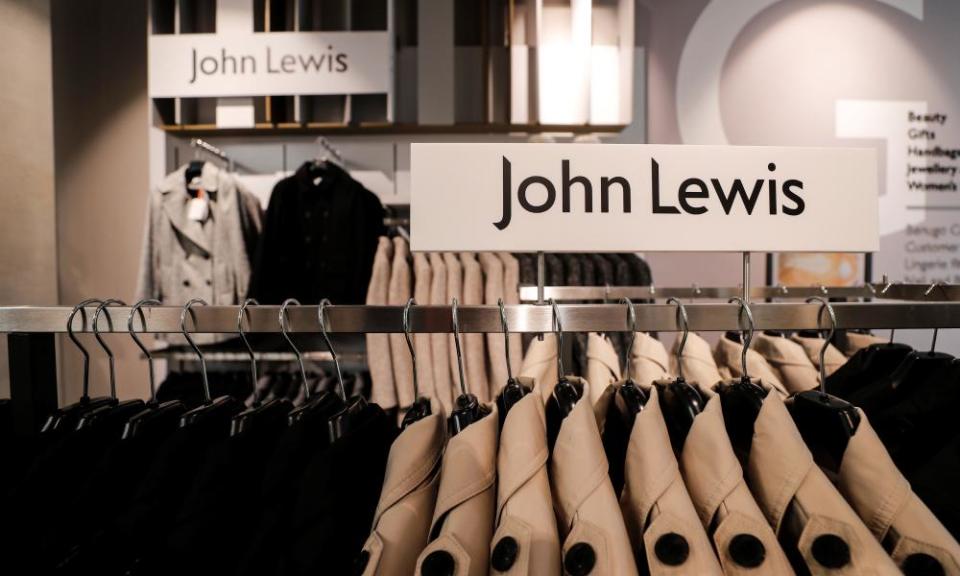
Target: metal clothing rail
point(912, 292)
point(575, 293)
point(31, 331)
point(486, 319)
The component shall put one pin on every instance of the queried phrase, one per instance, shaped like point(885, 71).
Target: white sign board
point(638, 197)
point(255, 64)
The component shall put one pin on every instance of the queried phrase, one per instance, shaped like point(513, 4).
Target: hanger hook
point(322, 317)
point(685, 326)
point(413, 353)
point(243, 336)
point(632, 327)
point(455, 321)
point(296, 351)
point(506, 338)
point(81, 307)
point(138, 309)
point(832, 316)
point(188, 309)
point(558, 331)
point(746, 336)
point(96, 332)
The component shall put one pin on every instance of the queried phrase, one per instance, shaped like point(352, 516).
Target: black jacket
point(318, 240)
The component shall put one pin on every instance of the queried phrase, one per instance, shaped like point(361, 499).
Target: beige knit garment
point(382, 388)
point(511, 296)
point(399, 293)
point(474, 350)
point(496, 347)
point(442, 377)
point(421, 342)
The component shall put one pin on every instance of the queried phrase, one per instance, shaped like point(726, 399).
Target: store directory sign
point(639, 197)
point(254, 64)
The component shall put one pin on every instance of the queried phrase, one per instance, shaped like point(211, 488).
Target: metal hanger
point(344, 421)
point(243, 336)
point(741, 398)
point(565, 394)
point(321, 405)
point(273, 412)
point(221, 409)
point(188, 309)
point(680, 401)
point(96, 333)
point(81, 308)
point(421, 406)
point(467, 409)
point(138, 309)
point(633, 396)
point(826, 422)
point(296, 351)
point(159, 417)
point(118, 413)
point(513, 391)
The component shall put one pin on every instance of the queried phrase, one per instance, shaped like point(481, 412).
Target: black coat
point(318, 240)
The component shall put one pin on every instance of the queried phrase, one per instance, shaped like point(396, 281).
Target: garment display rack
point(32, 352)
point(884, 291)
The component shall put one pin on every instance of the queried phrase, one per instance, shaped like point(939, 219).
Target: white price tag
point(198, 209)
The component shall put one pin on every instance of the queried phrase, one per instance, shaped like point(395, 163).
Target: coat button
point(438, 563)
point(580, 559)
point(831, 551)
point(672, 549)
point(209, 282)
point(504, 554)
point(361, 562)
point(186, 283)
point(920, 564)
point(747, 550)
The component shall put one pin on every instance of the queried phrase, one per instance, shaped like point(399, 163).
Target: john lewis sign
point(253, 64)
point(589, 197)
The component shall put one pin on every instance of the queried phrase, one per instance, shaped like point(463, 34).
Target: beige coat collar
point(882, 498)
point(727, 354)
point(649, 443)
point(603, 367)
point(470, 465)
point(523, 448)
point(789, 361)
point(540, 364)
point(414, 456)
point(784, 477)
point(578, 463)
point(697, 361)
point(655, 501)
point(649, 360)
point(832, 358)
point(711, 469)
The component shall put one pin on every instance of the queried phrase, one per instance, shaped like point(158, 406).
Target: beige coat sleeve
point(454, 290)
point(492, 292)
point(511, 296)
point(382, 388)
point(475, 355)
point(399, 293)
point(421, 342)
point(442, 377)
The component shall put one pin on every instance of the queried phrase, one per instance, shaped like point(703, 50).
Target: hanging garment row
point(666, 466)
point(482, 278)
point(208, 237)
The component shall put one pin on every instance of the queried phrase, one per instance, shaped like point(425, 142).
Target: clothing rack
point(889, 291)
point(32, 347)
point(523, 318)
